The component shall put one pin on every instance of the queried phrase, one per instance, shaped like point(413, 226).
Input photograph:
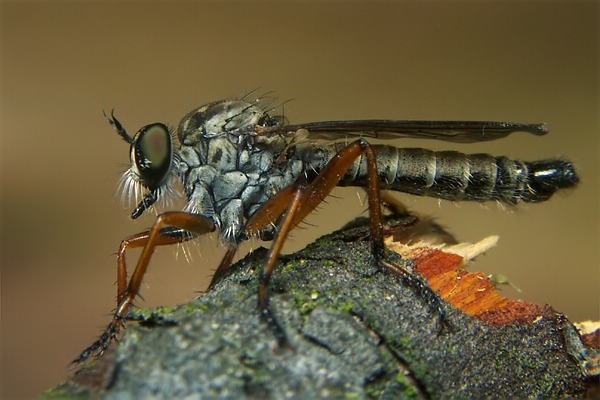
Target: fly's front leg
point(189, 222)
point(293, 204)
point(188, 226)
point(162, 238)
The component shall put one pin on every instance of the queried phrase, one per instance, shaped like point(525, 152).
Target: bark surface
point(356, 332)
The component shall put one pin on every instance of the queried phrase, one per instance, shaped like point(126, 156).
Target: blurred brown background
point(64, 62)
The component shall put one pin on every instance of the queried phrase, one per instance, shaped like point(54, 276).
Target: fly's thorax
point(227, 169)
point(230, 196)
point(232, 118)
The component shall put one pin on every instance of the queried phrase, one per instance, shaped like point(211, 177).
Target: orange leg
point(189, 222)
point(225, 263)
point(189, 226)
point(140, 240)
point(294, 203)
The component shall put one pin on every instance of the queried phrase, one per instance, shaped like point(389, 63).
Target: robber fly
point(247, 174)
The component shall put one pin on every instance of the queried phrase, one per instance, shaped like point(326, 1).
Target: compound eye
point(151, 154)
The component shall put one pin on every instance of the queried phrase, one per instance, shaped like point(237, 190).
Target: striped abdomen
point(455, 176)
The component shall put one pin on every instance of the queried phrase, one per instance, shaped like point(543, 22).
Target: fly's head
point(151, 170)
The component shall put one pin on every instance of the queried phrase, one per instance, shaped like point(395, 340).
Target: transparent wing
point(451, 131)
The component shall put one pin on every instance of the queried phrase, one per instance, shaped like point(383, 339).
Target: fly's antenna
point(114, 122)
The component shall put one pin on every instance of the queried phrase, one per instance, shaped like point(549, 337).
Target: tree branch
point(356, 331)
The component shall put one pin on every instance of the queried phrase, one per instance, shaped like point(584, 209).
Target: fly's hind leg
point(291, 205)
point(423, 228)
point(186, 227)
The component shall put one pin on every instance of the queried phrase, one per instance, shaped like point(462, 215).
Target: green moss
point(291, 266)
point(63, 392)
point(321, 242)
point(404, 342)
point(405, 387)
point(306, 301)
point(204, 307)
point(352, 395)
point(165, 311)
point(373, 393)
point(343, 306)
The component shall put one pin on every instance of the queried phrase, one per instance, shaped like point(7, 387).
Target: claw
point(98, 348)
point(430, 296)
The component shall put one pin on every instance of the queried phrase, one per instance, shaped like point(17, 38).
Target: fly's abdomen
point(456, 176)
point(480, 177)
